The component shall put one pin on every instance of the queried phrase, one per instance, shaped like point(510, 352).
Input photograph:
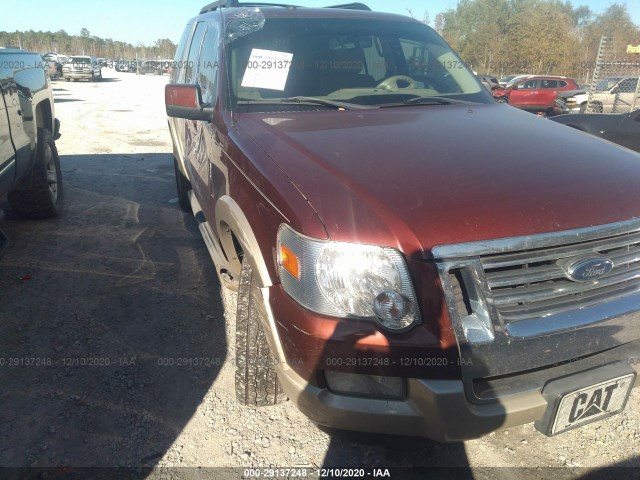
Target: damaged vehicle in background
point(575, 100)
point(399, 270)
point(535, 94)
point(620, 128)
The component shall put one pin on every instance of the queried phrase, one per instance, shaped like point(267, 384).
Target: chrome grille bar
point(525, 294)
point(524, 279)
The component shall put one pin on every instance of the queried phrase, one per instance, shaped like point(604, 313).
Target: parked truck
point(29, 165)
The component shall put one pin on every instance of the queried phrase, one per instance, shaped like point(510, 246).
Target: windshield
point(360, 62)
point(515, 80)
point(79, 60)
point(607, 83)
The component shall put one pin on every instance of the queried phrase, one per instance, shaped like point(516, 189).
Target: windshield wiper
point(437, 101)
point(301, 100)
point(323, 101)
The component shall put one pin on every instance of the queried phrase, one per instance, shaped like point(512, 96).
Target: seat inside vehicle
point(320, 70)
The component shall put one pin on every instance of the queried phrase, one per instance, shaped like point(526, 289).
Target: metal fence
point(615, 87)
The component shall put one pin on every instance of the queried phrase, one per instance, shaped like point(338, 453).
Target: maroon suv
point(397, 270)
point(535, 94)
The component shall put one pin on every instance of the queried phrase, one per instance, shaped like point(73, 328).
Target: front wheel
point(502, 100)
point(256, 380)
point(43, 199)
point(594, 108)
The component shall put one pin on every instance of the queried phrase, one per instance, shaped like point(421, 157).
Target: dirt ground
point(98, 307)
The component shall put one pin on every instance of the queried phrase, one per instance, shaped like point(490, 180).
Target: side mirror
point(185, 101)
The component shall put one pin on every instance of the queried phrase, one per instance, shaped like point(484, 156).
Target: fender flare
point(229, 212)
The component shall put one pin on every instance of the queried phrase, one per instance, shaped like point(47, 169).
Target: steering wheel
point(391, 83)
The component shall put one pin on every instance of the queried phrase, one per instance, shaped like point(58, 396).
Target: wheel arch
point(234, 230)
point(232, 224)
point(44, 115)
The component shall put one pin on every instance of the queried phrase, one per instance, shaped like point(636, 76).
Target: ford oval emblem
point(588, 269)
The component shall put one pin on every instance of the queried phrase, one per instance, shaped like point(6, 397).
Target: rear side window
point(194, 50)
point(208, 65)
point(562, 84)
point(179, 61)
point(549, 84)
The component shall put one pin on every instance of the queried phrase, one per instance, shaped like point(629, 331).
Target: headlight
point(347, 280)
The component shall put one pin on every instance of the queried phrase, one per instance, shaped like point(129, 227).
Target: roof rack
point(235, 4)
point(351, 6)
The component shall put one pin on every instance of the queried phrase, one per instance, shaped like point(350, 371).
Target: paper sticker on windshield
point(267, 69)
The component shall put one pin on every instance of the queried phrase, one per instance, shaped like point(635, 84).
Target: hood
point(571, 93)
point(416, 177)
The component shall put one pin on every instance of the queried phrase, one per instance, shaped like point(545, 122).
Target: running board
point(209, 238)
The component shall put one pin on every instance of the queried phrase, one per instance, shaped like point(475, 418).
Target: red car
point(535, 94)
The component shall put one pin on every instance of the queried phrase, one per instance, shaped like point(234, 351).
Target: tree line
point(552, 37)
point(494, 37)
point(85, 44)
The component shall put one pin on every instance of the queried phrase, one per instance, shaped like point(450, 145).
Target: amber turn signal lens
point(289, 261)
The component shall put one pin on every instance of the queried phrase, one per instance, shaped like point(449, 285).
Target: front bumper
point(439, 409)
point(81, 75)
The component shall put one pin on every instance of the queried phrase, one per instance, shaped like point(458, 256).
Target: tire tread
point(256, 378)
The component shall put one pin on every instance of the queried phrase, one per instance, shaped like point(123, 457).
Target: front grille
point(529, 283)
point(514, 309)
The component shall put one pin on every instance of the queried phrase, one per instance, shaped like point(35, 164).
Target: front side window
point(528, 85)
point(361, 62)
point(207, 76)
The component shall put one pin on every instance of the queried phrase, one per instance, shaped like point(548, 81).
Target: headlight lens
point(347, 280)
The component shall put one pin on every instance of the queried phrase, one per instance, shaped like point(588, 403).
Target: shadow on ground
point(112, 326)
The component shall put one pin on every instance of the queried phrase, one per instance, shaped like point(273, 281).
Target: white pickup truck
point(575, 100)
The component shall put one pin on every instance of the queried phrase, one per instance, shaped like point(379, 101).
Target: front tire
point(44, 198)
point(256, 379)
point(594, 108)
point(501, 100)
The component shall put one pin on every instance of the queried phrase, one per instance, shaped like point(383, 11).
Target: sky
point(143, 21)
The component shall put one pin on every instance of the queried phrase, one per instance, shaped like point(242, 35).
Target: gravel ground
point(116, 350)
